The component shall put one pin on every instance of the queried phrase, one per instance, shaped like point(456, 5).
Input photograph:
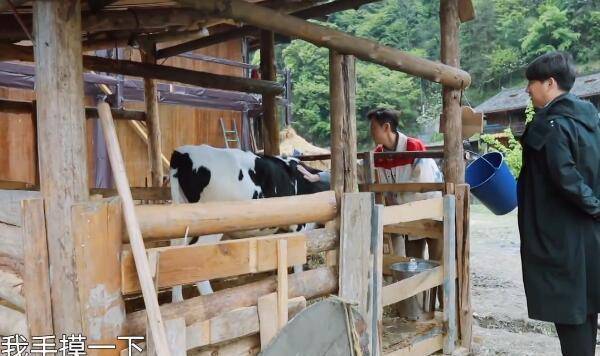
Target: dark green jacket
point(559, 211)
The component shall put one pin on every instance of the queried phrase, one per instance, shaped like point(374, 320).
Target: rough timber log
point(161, 72)
point(337, 40)
point(61, 133)
point(270, 122)
point(172, 221)
point(310, 284)
point(312, 12)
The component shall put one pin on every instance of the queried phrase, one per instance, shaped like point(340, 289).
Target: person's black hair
point(557, 65)
point(384, 116)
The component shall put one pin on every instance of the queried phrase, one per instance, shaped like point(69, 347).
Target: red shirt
point(412, 144)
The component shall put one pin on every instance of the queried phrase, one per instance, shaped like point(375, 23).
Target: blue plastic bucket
point(492, 183)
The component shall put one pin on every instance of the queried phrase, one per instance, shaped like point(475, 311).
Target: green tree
point(551, 31)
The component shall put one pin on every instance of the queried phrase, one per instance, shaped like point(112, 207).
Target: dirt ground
point(501, 325)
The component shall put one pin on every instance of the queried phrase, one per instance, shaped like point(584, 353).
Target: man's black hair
point(557, 65)
point(384, 116)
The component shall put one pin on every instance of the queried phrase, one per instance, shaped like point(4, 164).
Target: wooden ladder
point(230, 136)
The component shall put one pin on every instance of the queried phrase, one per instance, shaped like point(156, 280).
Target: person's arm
point(565, 175)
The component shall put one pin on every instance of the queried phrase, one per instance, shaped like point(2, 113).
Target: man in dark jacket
point(559, 206)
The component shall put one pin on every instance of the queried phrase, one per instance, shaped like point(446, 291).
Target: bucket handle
point(482, 157)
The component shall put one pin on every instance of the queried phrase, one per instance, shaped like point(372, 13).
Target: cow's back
point(204, 173)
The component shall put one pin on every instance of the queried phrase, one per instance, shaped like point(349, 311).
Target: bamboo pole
point(339, 41)
point(133, 229)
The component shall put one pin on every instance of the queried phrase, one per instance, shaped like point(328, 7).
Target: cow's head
point(304, 186)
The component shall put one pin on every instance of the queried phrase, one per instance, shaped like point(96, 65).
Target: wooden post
point(449, 266)
point(454, 167)
point(98, 226)
point(133, 229)
point(282, 283)
point(153, 119)
point(465, 311)
point(269, 72)
point(356, 257)
point(342, 93)
point(36, 278)
point(61, 146)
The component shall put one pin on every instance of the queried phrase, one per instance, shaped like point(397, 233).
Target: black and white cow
point(207, 174)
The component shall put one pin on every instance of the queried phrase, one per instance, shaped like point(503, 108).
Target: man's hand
point(307, 175)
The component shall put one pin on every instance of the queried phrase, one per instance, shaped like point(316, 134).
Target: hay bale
point(290, 141)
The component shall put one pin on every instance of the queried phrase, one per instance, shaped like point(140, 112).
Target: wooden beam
point(425, 228)
point(36, 276)
point(315, 11)
point(319, 35)
point(161, 72)
point(98, 226)
point(342, 93)
point(282, 282)
point(268, 71)
point(413, 211)
point(310, 284)
point(402, 187)
point(131, 19)
point(27, 107)
point(411, 286)
point(449, 268)
point(133, 229)
point(426, 346)
point(167, 222)
point(61, 133)
point(138, 193)
point(188, 264)
point(148, 54)
point(267, 314)
point(454, 164)
point(127, 39)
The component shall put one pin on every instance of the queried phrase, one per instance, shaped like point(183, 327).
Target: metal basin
point(422, 305)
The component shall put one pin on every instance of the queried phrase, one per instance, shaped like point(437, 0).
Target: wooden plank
point(268, 71)
point(377, 280)
point(406, 288)
point(133, 229)
point(187, 264)
point(356, 262)
point(421, 348)
point(310, 284)
point(402, 187)
point(97, 226)
point(10, 184)
point(459, 215)
point(233, 324)
point(466, 311)
point(449, 267)
point(267, 315)
point(176, 336)
point(466, 11)
point(334, 39)
point(171, 221)
point(427, 228)
point(138, 193)
point(36, 276)
point(282, 282)
point(429, 209)
point(61, 133)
